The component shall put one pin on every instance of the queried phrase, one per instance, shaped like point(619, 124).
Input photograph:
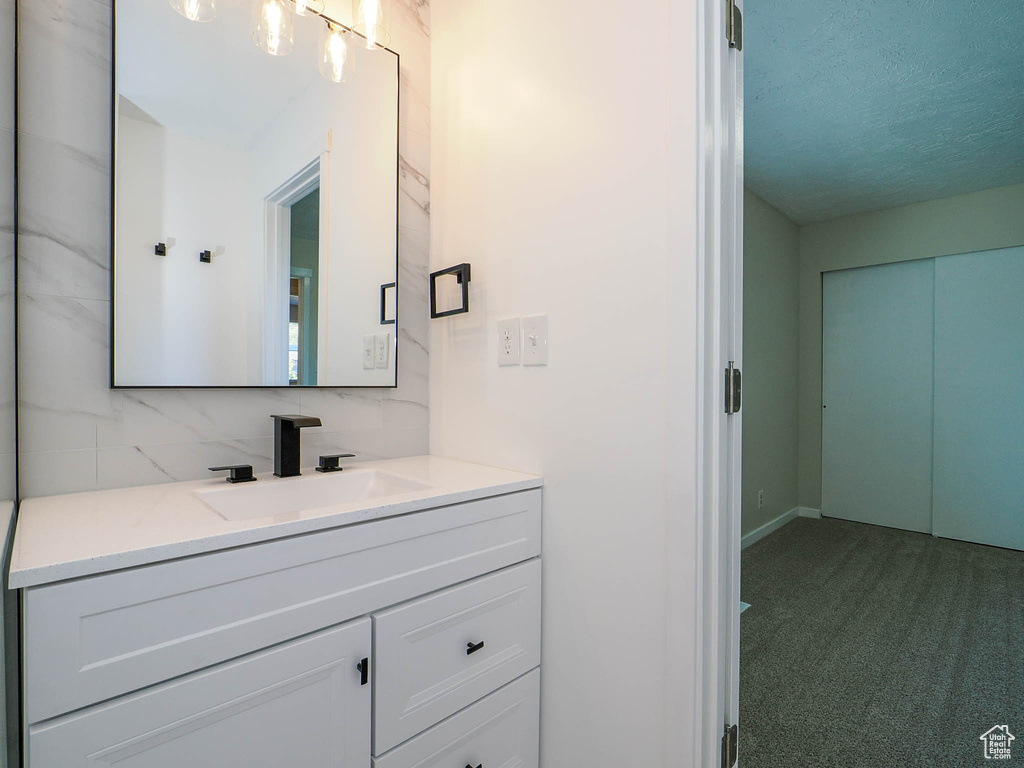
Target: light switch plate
point(508, 341)
point(383, 349)
point(535, 340)
point(369, 355)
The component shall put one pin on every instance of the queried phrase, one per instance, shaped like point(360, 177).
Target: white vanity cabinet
point(384, 643)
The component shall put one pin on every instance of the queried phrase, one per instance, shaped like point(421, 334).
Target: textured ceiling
point(858, 105)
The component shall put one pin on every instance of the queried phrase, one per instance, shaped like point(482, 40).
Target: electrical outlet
point(508, 341)
point(383, 349)
point(369, 343)
point(535, 340)
point(760, 499)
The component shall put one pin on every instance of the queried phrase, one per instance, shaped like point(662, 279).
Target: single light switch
point(535, 340)
point(508, 341)
point(383, 348)
point(369, 344)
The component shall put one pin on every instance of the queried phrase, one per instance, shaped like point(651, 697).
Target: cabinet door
point(298, 704)
point(979, 410)
point(876, 426)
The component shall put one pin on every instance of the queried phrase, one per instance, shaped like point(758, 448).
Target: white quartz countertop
point(80, 534)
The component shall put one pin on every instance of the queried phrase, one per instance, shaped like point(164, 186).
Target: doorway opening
point(882, 462)
point(304, 290)
point(296, 273)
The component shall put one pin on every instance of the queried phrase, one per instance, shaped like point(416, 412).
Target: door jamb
point(719, 339)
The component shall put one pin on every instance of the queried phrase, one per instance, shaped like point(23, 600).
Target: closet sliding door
point(979, 397)
point(877, 364)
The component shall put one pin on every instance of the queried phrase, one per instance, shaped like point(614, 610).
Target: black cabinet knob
point(472, 648)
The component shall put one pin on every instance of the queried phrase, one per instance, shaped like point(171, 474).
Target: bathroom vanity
point(394, 624)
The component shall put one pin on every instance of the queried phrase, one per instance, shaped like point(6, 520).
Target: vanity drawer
point(99, 637)
point(436, 655)
point(502, 729)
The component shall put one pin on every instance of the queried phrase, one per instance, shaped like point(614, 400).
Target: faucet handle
point(332, 463)
point(238, 473)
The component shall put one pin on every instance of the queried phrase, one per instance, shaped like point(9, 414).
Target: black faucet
point(287, 453)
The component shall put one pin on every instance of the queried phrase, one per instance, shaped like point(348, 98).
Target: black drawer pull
point(479, 766)
point(472, 648)
point(364, 671)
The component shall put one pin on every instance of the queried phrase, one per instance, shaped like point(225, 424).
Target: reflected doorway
point(304, 290)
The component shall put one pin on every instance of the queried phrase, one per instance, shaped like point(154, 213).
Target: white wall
point(179, 320)
point(771, 320)
point(554, 164)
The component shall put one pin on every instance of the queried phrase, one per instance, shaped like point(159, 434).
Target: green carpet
point(867, 646)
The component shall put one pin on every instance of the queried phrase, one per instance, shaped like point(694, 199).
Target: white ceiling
point(859, 105)
point(210, 80)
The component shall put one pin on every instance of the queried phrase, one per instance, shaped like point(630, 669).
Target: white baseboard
point(809, 512)
point(770, 527)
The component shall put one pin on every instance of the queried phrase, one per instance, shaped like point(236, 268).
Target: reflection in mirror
point(255, 203)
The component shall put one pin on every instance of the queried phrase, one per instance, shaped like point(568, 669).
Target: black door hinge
point(730, 746)
point(733, 25)
point(733, 389)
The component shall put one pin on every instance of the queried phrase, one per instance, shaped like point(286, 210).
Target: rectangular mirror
point(255, 204)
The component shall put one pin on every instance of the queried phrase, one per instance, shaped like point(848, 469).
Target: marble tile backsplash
point(7, 427)
point(76, 433)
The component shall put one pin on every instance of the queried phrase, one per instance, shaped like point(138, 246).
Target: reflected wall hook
point(205, 256)
point(160, 249)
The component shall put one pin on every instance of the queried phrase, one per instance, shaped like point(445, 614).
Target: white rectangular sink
point(276, 496)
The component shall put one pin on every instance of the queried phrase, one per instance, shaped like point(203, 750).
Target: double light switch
point(528, 345)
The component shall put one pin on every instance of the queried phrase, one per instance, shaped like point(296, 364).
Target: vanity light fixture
point(337, 59)
point(309, 7)
point(372, 21)
point(274, 24)
point(275, 27)
point(196, 10)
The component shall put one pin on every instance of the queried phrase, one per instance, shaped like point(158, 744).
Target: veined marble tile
point(370, 444)
point(7, 382)
point(64, 372)
point(414, 14)
point(64, 220)
point(341, 409)
point(8, 484)
point(64, 77)
point(6, 263)
point(51, 473)
point(173, 462)
point(7, 66)
point(413, 79)
point(414, 181)
point(148, 436)
point(6, 179)
point(154, 417)
point(408, 405)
